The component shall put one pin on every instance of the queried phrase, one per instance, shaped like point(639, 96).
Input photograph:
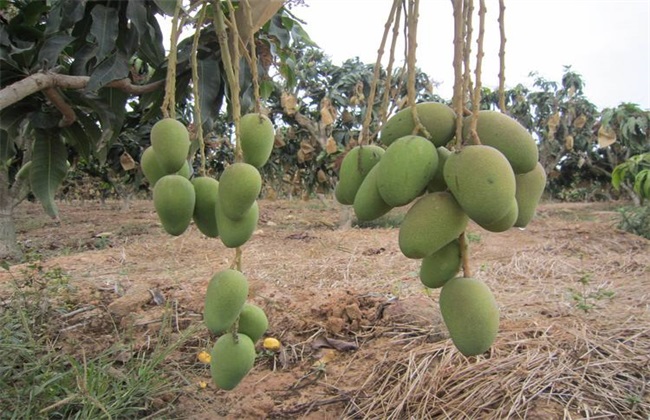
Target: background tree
point(68, 71)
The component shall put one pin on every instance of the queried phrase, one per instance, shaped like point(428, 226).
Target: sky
point(607, 42)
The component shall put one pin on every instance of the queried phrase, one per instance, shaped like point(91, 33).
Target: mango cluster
point(497, 184)
point(240, 325)
point(226, 208)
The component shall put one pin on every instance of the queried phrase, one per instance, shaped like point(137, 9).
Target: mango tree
point(69, 71)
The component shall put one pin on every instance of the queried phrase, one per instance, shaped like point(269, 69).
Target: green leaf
point(149, 35)
point(115, 67)
point(167, 6)
point(618, 175)
point(82, 57)
point(7, 148)
point(49, 53)
point(642, 184)
point(76, 137)
point(49, 168)
point(105, 28)
point(210, 88)
point(266, 89)
point(277, 30)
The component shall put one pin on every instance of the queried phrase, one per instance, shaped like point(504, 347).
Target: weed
point(389, 220)
point(473, 237)
point(38, 379)
point(635, 220)
point(586, 296)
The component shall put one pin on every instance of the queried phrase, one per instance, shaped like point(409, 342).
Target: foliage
point(578, 145)
point(635, 170)
point(635, 220)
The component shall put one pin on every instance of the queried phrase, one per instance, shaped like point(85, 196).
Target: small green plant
point(585, 297)
point(635, 220)
point(473, 237)
point(387, 221)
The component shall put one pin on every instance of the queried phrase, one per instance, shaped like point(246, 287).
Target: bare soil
point(361, 337)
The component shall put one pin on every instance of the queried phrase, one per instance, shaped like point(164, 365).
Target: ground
point(361, 337)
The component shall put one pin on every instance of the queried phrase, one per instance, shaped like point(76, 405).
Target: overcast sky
point(606, 41)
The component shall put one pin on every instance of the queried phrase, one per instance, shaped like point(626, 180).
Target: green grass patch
point(39, 379)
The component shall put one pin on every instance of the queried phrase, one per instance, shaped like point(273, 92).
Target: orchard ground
point(361, 337)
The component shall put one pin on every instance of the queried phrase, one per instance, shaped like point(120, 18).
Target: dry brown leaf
point(322, 177)
point(347, 117)
point(301, 156)
point(327, 112)
point(289, 103)
point(553, 122)
point(340, 345)
point(127, 162)
point(606, 136)
point(568, 143)
point(331, 146)
point(279, 140)
point(306, 147)
point(580, 121)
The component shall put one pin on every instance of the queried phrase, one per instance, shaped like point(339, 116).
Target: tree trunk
point(9, 249)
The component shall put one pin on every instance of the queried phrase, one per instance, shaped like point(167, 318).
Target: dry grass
point(531, 372)
point(555, 356)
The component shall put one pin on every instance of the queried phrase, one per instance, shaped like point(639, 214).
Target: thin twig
point(458, 69)
point(365, 129)
point(169, 101)
point(476, 100)
point(195, 88)
point(502, 57)
point(383, 112)
point(253, 58)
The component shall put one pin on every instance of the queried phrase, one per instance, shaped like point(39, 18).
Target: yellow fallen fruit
point(204, 357)
point(203, 384)
point(271, 343)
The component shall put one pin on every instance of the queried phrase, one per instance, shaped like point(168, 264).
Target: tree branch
point(66, 110)
point(41, 81)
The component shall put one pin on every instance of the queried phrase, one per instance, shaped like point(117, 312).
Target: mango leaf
point(277, 29)
point(167, 6)
point(266, 89)
point(642, 184)
point(49, 53)
point(82, 58)
point(64, 14)
point(76, 137)
point(148, 33)
point(113, 68)
point(210, 88)
point(618, 175)
point(105, 28)
point(7, 148)
point(49, 168)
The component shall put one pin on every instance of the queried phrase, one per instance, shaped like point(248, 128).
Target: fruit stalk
point(231, 66)
point(365, 132)
point(476, 100)
point(198, 123)
point(412, 26)
point(458, 69)
point(383, 112)
point(502, 57)
point(169, 101)
point(464, 255)
point(253, 58)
